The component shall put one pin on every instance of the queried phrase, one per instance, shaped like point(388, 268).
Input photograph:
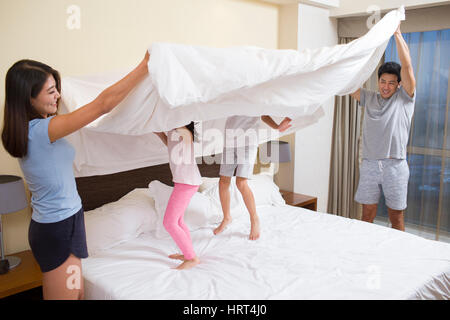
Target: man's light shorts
point(391, 174)
point(241, 159)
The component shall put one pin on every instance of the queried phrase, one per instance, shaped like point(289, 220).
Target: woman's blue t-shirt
point(48, 171)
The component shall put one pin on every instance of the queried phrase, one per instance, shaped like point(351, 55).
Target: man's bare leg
point(369, 212)
point(397, 219)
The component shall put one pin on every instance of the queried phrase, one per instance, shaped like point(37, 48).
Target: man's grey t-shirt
point(386, 124)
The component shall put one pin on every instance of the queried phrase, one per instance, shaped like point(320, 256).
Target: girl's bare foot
point(254, 230)
point(187, 264)
point(222, 226)
point(177, 256)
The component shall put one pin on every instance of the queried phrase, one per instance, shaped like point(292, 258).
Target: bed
point(301, 254)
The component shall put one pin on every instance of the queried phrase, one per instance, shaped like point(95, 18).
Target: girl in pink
point(187, 179)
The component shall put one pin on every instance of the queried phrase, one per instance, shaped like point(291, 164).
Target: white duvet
point(301, 255)
point(191, 83)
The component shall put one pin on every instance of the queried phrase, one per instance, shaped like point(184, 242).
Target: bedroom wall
point(288, 38)
point(308, 171)
point(113, 35)
point(313, 144)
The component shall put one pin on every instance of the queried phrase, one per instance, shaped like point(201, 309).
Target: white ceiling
point(360, 7)
point(346, 8)
point(319, 3)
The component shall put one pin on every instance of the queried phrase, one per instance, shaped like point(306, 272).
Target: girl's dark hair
point(191, 128)
point(24, 80)
point(391, 68)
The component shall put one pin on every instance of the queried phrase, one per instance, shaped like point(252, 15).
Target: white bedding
point(301, 255)
point(192, 83)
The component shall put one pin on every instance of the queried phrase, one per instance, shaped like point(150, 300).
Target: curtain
point(428, 211)
point(346, 152)
point(344, 168)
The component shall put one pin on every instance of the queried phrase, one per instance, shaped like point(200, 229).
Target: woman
point(34, 133)
point(187, 179)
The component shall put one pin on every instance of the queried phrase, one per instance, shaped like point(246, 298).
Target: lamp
point(274, 152)
point(12, 199)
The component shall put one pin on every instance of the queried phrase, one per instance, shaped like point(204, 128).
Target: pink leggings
point(173, 218)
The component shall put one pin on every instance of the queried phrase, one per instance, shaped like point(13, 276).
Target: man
point(387, 121)
point(240, 154)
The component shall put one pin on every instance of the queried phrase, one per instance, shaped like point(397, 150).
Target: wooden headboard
point(95, 191)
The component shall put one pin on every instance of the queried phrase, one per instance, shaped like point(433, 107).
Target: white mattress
point(301, 255)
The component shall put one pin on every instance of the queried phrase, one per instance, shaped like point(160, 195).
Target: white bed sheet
point(301, 255)
point(195, 83)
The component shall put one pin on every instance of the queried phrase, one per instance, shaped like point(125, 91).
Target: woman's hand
point(144, 62)
point(63, 125)
point(143, 65)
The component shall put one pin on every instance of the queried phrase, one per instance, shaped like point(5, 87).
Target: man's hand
point(407, 73)
point(356, 95)
point(398, 31)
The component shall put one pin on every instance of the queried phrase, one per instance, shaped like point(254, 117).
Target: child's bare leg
point(224, 193)
point(249, 201)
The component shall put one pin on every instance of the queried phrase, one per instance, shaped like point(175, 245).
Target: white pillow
point(265, 192)
point(237, 204)
point(207, 183)
point(200, 212)
point(119, 221)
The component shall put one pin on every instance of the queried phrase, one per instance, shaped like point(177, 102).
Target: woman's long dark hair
point(24, 80)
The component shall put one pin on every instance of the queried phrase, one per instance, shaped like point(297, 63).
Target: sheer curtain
point(428, 212)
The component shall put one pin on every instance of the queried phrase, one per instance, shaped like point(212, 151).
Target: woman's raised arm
point(63, 125)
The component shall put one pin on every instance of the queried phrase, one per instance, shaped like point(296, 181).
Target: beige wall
point(114, 35)
point(288, 27)
point(288, 39)
point(313, 144)
point(308, 171)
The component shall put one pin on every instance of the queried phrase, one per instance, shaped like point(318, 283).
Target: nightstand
point(27, 275)
point(299, 200)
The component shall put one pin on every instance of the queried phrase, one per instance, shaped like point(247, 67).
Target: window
point(428, 156)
